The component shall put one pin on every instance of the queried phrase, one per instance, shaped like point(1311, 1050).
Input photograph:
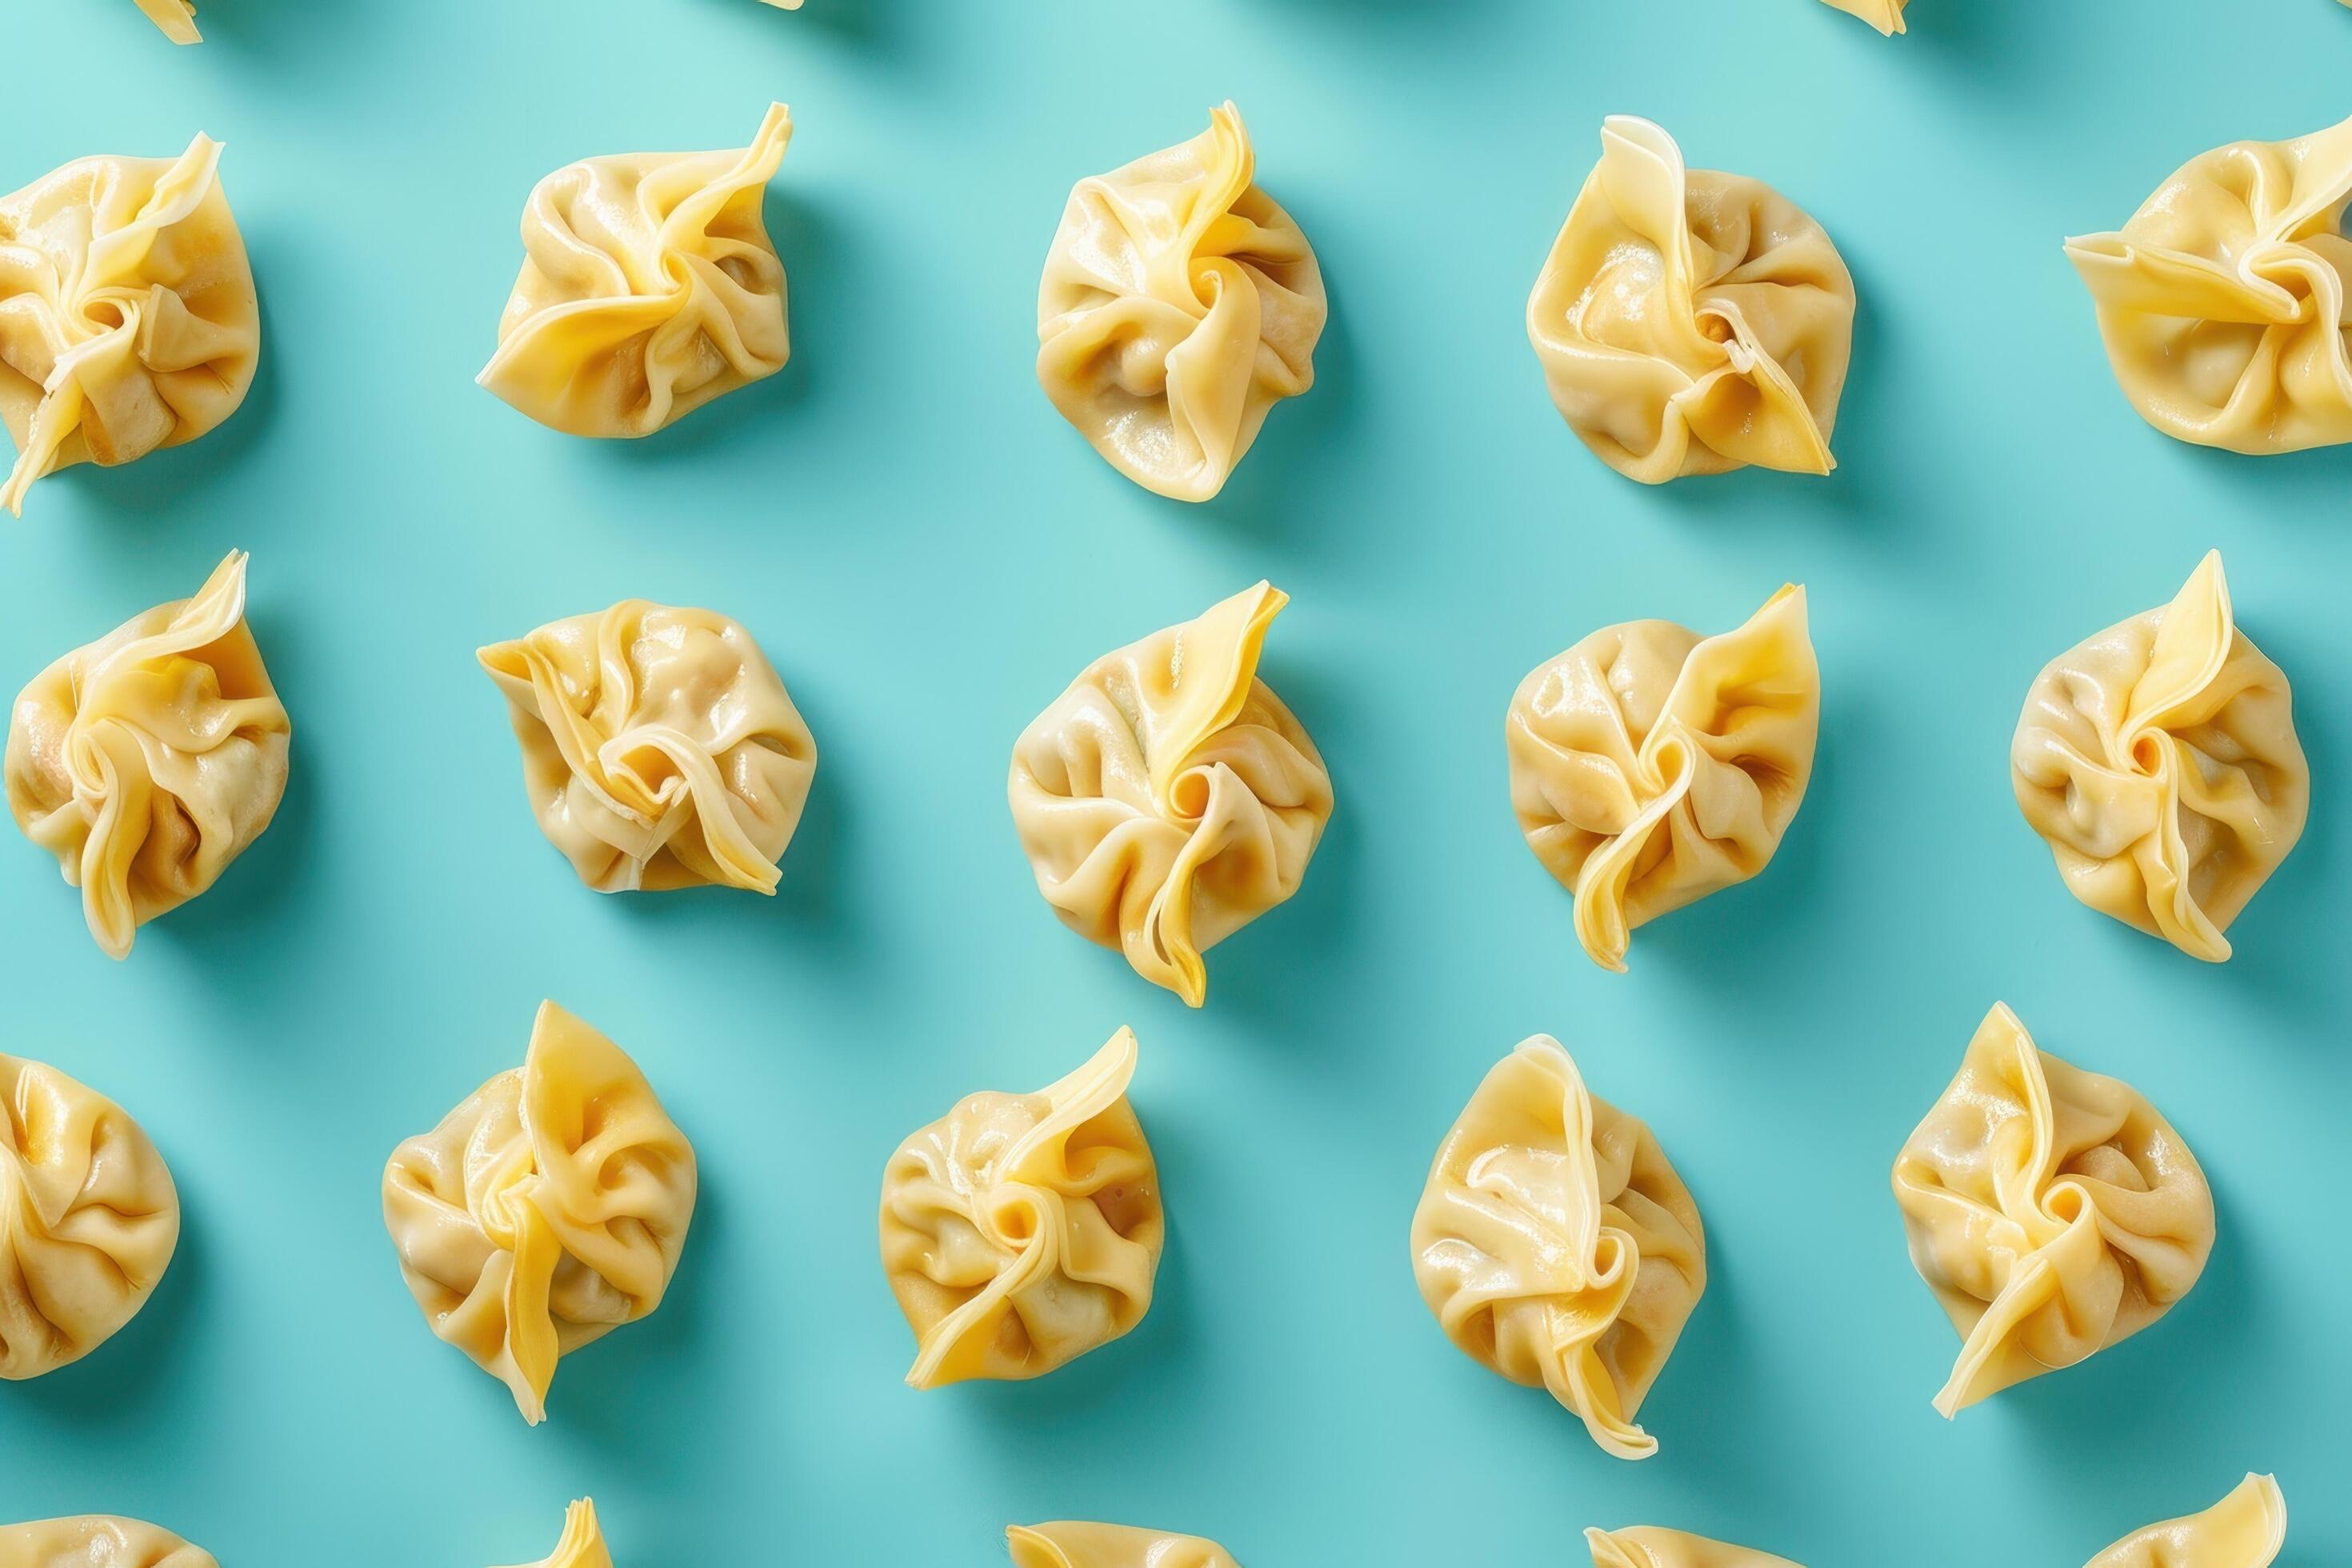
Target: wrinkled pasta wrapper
point(1168, 798)
point(2053, 1211)
point(2160, 761)
point(546, 1211)
point(1690, 321)
point(1178, 305)
point(1557, 1246)
point(177, 18)
point(97, 1541)
point(582, 1543)
point(1646, 1546)
point(2226, 300)
point(147, 760)
point(1887, 15)
point(1070, 1544)
point(1020, 1231)
point(659, 748)
point(89, 1220)
point(2245, 1530)
point(1651, 766)
point(127, 319)
point(649, 287)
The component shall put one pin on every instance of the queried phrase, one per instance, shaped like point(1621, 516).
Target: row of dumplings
point(1687, 322)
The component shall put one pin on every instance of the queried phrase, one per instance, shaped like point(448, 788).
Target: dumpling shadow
point(277, 27)
point(122, 1381)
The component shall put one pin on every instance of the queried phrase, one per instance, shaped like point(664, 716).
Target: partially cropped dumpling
point(1179, 303)
point(147, 760)
point(2160, 759)
point(649, 287)
point(1645, 1546)
point(97, 1541)
point(2245, 1530)
point(2226, 302)
point(1557, 1244)
point(1070, 1544)
point(89, 1220)
point(127, 319)
point(1887, 15)
point(1690, 321)
point(1168, 798)
point(582, 1543)
point(1651, 766)
point(659, 748)
point(1020, 1231)
point(176, 17)
point(546, 1211)
point(2052, 1210)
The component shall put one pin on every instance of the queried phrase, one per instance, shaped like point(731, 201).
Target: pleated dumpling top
point(97, 1541)
point(1646, 1546)
point(582, 1544)
point(2245, 1530)
point(1071, 1543)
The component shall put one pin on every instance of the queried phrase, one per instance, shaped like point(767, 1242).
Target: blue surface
point(928, 554)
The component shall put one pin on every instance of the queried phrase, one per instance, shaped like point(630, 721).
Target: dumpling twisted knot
point(2226, 300)
point(582, 1543)
point(1690, 321)
point(89, 1220)
point(97, 1541)
point(1557, 1246)
point(546, 1210)
point(659, 748)
point(1646, 1546)
point(1168, 798)
point(148, 760)
point(1071, 1543)
point(2245, 1530)
point(2160, 759)
point(649, 287)
point(1178, 305)
point(1020, 1231)
point(2053, 1212)
point(127, 319)
point(1651, 766)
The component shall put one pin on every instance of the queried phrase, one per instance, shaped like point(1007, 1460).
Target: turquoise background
point(928, 554)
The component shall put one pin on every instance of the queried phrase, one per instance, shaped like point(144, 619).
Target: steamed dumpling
point(546, 1211)
point(1178, 305)
point(2054, 1212)
point(659, 750)
point(649, 287)
point(1887, 15)
point(2245, 1530)
point(176, 17)
point(1651, 766)
point(1167, 799)
point(1071, 1545)
point(582, 1543)
point(97, 1541)
point(1645, 1546)
point(127, 319)
point(147, 760)
point(89, 1220)
point(1020, 1231)
point(1557, 1246)
point(2160, 759)
point(2226, 302)
point(1690, 321)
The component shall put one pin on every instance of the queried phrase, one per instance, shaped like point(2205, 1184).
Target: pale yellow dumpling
point(2245, 1530)
point(1070, 1544)
point(1887, 15)
point(1646, 1546)
point(177, 18)
point(97, 1541)
point(582, 1543)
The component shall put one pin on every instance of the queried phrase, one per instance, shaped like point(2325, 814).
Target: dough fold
point(1887, 15)
point(1646, 1546)
point(1068, 1543)
point(582, 1543)
point(97, 1541)
point(177, 18)
point(2245, 1530)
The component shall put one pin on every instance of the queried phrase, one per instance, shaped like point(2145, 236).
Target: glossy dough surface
point(176, 17)
point(1690, 321)
point(89, 1219)
point(2245, 1530)
point(2160, 760)
point(1168, 798)
point(97, 1541)
point(649, 287)
point(1070, 1544)
point(659, 748)
point(1557, 1246)
point(1887, 15)
point(2053, 1211)
point(582, 1544)
point(127, 319)
point(1178, 304)
point(1651, 766)
point(1020, 1231)
point(544, 1212)
point(147, 760)
point(1646, 1546)
point(2226, 300)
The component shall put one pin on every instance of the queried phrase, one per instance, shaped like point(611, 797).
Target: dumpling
point(659, 750)
point(1645, 1546)
point(1690, 321)
point(582, 1544)
point(2160, 759)
point(546, 1211)
point(176, 17)
point(147, 760)
point(1168, 798)
point(786, 4)
point(1557, 1246)
point(2053, 1212)
point(97, 1541)
point(1070, 1544)
point(2226, 302)
point(89, 1219)
point(1179, 303)
point(2245, 1530)
point(1651, 766)
point(127, 319)
point(649, 287)
point(1020, 1231)
point(1887, 15)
